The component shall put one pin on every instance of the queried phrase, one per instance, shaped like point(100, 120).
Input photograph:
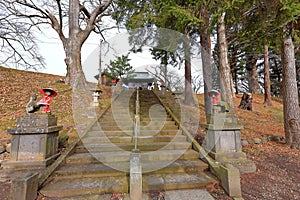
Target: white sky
point(52, 50)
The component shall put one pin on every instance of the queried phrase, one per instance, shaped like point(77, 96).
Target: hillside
point(262, 122)
point(15, 90)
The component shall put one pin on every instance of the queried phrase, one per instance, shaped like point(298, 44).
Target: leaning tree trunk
point(290, 91)
point(206, 61)
point(225, 74)
point(267, 84)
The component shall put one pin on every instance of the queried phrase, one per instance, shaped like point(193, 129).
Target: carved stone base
point(28, 164)
point(34, 142)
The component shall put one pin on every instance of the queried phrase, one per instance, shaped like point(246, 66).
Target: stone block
point(222, 118)
point(34, 141)
point(24, 187)
point(135, 176)
point(230, 180)
point(226, 143)
point(36, 120)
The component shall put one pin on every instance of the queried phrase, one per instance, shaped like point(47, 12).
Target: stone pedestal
point(223, 140)
point(34, 142)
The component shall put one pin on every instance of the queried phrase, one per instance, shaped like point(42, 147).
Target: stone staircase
point(100, 162)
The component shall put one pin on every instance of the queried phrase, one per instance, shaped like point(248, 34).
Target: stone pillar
point(135, 176)
point(34, 142)
point(24, 187)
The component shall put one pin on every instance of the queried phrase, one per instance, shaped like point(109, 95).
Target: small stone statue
point(32, 105)
point(218, 105)
point(45, 102)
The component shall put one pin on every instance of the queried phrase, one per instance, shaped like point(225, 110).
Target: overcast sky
point(52, 50)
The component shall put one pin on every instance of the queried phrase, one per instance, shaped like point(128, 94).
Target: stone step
point(97, 157)
point(124, 156)
point(70, 171)
point(118, 115)
point(109, 147)
point(178, 166)
point(129, 139)
point(155, 119)
point(59, 188)
point(175, 181)
point(113, 128)
point(98, 133)
point(130, 123)
point(130, 127)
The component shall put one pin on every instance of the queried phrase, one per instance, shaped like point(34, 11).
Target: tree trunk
point(206, 61)
point(236, 81)
point(254, 87)
point(290, 91)
point(75, 76)
point(225, 74)
point(188, 92)
point(267, 83)
point(234, 70)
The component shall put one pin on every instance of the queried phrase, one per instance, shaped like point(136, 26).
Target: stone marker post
point(135, 176)
point(24, 187)
point(34, 142)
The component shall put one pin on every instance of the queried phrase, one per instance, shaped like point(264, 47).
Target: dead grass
point(16, 88)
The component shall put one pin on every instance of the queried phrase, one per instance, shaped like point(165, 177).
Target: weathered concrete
point(187, 195)
point(34, 142)
point(223, 141)
point(136, 176)
point(24, 187)
point(230, 180)
point(193, 194)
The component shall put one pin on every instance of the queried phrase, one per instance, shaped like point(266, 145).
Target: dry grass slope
point(16, 88)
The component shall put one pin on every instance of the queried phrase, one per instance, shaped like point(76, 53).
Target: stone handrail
point(214, 166)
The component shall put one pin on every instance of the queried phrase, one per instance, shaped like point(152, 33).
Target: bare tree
point(197, 83)
point(73, 20)
point(18, 47)
point(171, 78)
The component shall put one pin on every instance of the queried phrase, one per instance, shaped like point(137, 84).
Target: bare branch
point(91, 22)
point(57, 27)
